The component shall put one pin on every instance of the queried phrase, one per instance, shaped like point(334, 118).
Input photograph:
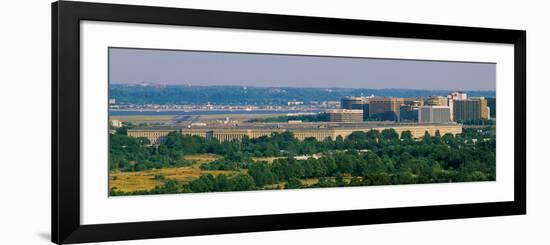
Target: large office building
point(352, 102)
point(345, 115)
point(319, 131)
point(413, 101)
point(356, 103)
point(385, 109)
point(436, 101)
point(408, 111)
point(456, 95)
point(474, 108)
point(484, 108)
point(366, 111)
point(434, 114)
point(492, 104)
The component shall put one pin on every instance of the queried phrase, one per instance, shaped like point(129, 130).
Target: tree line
point(239, 95)
point(363, 158)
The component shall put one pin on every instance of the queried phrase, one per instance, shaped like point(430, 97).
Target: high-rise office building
point(366, 111)
point(345, 115)
point(474, 108)
point(492, 104)
point(456, 95)
point(352, 102)
point(413, 101)
point(385, 109)
point(356, 103)
point(436, 101)
point(484, 113)
point(434, 114)
point(408, 114)
point(408, 111)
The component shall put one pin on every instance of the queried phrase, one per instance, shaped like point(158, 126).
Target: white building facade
point(434, 114)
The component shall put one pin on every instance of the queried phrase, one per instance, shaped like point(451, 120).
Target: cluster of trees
point(319, 117)
point(238, 95)
point(428, 161)
point(135, 154)
point(363, 158)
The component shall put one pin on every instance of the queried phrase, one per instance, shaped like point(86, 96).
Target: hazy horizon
point(153, 84)
point(199, 68)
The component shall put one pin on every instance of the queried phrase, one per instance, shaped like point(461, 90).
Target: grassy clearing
point(281, 185)
point(266, 159)
point(308, 182)
point(148, 179)
point(202, 158)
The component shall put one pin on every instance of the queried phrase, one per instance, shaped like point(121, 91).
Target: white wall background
point(25, 99)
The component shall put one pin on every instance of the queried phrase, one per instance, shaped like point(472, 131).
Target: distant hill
point(239, 95)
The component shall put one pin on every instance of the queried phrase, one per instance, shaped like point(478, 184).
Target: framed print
point(176, 122)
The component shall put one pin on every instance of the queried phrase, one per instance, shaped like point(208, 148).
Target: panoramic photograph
point(185, 121)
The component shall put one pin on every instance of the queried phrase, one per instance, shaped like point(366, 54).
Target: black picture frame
point(66, 17)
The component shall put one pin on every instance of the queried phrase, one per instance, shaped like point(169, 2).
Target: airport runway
point(181, 119)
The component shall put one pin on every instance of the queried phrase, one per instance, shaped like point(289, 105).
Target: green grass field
point(145, 180)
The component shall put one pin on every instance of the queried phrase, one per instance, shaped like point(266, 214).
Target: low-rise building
point(319, 131)
point(116, 123)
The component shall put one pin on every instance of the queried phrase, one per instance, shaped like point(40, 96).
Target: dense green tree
point(406, 136)
point(262, 174)
point(293, 183)
point(364, 158)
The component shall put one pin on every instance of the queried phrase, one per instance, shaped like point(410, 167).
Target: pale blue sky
point(264, 70)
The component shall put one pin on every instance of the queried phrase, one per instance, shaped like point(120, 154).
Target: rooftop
point(296, 126)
